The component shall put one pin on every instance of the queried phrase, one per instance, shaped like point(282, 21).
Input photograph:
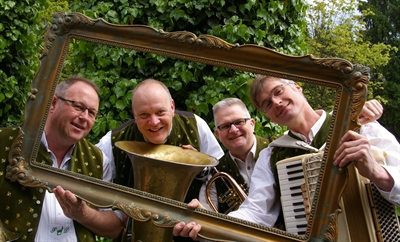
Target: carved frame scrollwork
point(347, 79)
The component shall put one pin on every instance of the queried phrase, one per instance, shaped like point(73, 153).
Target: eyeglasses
point(80, 107)
point(266, 104)
point(227, 126)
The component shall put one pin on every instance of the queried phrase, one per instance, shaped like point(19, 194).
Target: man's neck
point(308, 120)
point(58, 148)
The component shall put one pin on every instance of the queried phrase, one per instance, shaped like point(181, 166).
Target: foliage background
point(279, 25)
point(328, 29)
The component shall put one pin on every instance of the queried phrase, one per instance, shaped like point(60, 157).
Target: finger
point(193, 204)
point(70, 197)
point(185, 232)
point(178, 228)
point(194, 232)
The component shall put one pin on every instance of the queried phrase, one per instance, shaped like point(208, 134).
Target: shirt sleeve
point(105, 146)
point(380, 137)
point(208, 143)
point(261, 206)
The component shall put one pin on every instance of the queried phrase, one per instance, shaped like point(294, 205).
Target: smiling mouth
point(78, 126)
point(232, 138)
point(283, 107)
point(155, 130)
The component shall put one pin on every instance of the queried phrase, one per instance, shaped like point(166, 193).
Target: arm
point(208, 143)
point(262, 205)
point(102, 223)
point(356, 148)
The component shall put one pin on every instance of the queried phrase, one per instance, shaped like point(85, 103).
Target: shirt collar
point(315, 128)
point(67, 156)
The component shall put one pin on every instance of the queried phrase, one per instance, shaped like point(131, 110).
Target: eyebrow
point(273, 89)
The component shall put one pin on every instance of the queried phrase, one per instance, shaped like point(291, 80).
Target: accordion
point(298, 177)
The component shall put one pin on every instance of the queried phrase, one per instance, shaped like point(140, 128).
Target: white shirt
point(208, 143)
point(53, 224)
point(245, 169)
point(263, 207)
point(380, 137)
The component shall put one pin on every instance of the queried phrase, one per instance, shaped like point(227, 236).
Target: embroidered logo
point(60, 231)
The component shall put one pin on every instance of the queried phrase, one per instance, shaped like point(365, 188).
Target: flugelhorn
point(234, 196)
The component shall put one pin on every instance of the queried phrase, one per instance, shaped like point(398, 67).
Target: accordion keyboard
point(291, 177)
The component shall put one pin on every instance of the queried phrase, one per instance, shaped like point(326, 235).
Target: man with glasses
point(235, 130)
point(283, 102)
point(36, 214)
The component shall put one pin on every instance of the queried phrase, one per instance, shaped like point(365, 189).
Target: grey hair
point(150, 80)
point(63, 86)
point(228, 102)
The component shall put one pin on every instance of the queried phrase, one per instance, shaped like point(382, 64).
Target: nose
point(85, 114)
point(153, 120)
point(233, 128)
point(276, 101)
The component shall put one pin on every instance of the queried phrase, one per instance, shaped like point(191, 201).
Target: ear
point(252, 122)
point(298, 87)
point(216, 132)
point(173, 106)
point(53, 104)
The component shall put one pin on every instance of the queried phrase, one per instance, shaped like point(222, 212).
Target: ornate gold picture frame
point(349, 80)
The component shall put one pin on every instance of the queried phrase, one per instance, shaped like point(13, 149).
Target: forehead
point(269, 85)
point(82, 92)
point(228, 114)
point(151, 98)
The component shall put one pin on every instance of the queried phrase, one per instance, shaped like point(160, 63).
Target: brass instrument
point(164, 170)
point(234, 196)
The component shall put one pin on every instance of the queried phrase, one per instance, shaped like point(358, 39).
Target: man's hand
point(190, 229)
point(189, 147)
point(371, 111)
point(73, 207)
point(355, 148)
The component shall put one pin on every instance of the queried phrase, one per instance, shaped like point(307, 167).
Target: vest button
point(38, 202)
point(30, 230)
point(41, 190)
point(35, 215)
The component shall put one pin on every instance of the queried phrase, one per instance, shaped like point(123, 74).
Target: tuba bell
point(163, 170)
point(233, 197)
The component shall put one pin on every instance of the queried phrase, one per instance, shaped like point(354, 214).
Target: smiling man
point(283, 102)
point(235, 130)
point(156, 121)
point(38, 215)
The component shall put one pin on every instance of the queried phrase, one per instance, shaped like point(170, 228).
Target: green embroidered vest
point(184, 131)
point(21, 207)
point(226, 164)
point(280, 153)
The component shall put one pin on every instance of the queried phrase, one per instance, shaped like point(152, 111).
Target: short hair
point(63, 86)
point(228, 102)
point(150, 80)
point(257, 86)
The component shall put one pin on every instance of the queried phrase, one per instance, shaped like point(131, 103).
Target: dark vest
point(281, 153)
point(21, 207)
point(226, 164)
point(184, 131)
